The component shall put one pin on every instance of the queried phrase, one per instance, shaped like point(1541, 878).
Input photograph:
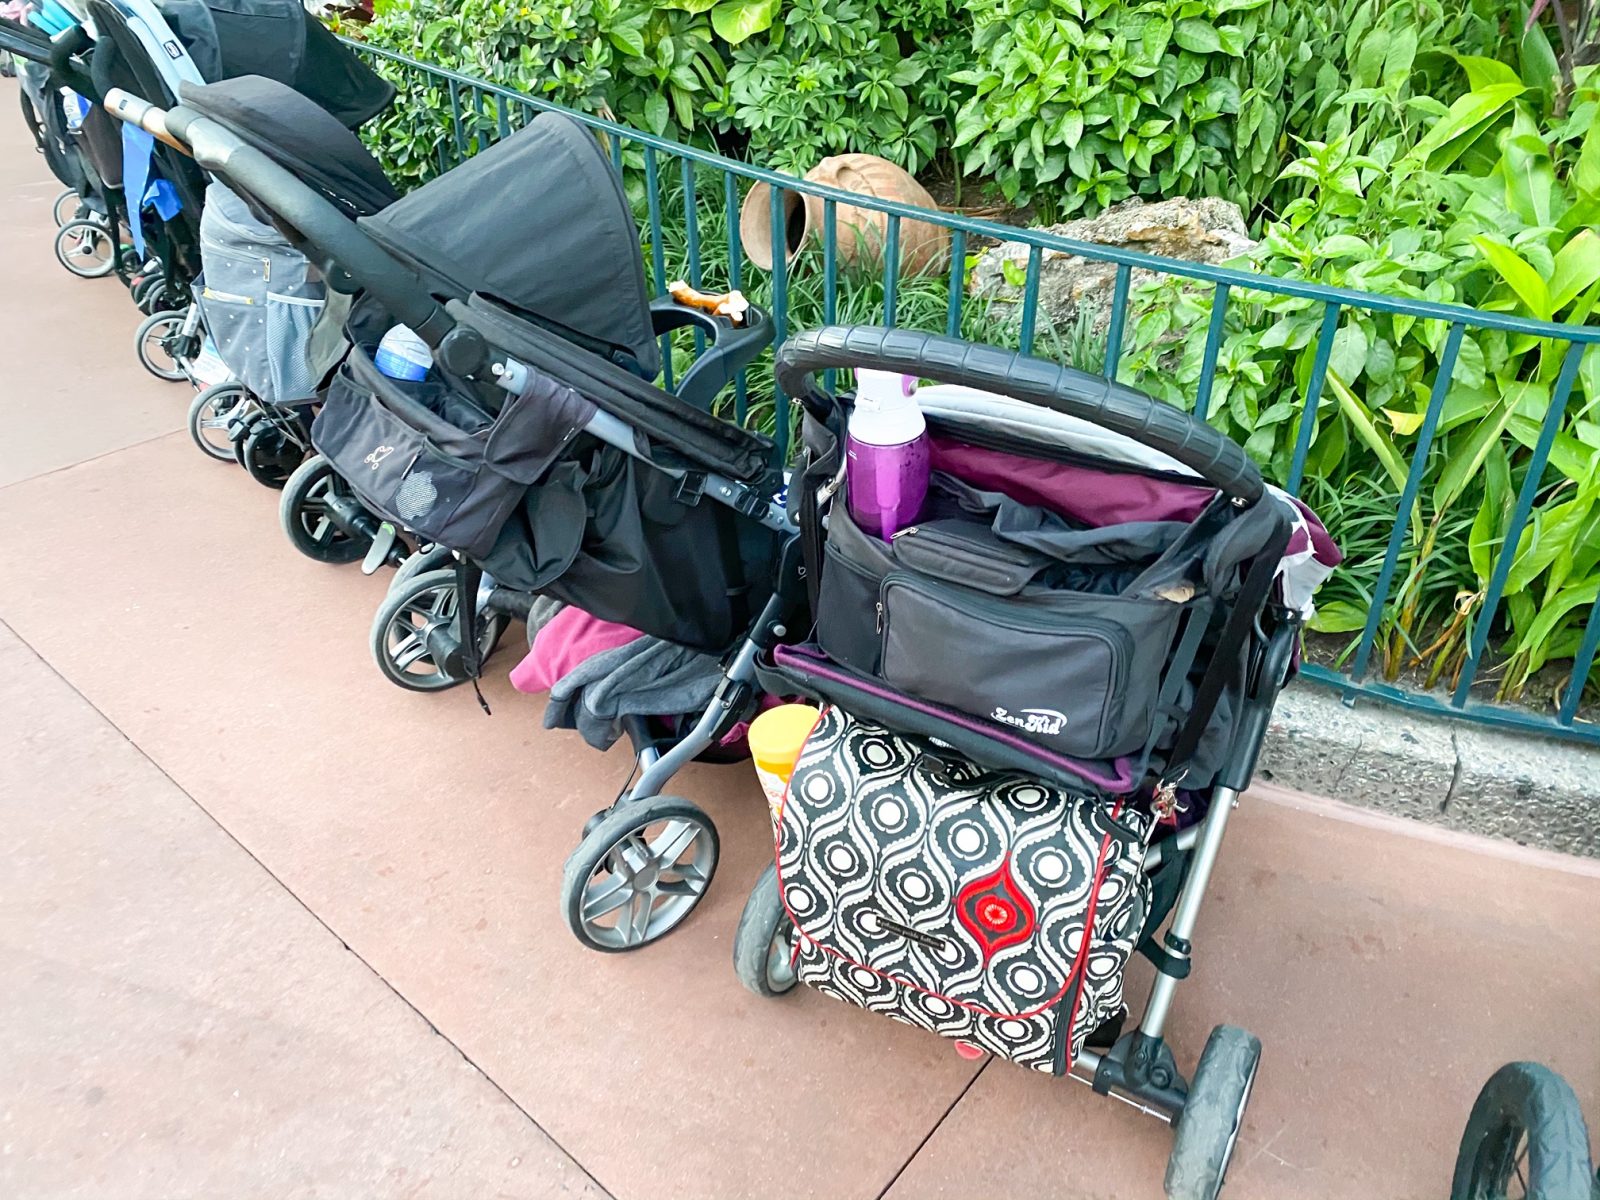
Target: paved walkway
point(271, 927)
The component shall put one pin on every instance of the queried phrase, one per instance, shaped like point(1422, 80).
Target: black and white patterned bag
point(986, 906)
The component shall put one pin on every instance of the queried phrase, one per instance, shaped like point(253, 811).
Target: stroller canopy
point(538, 222)
point(299, 135)
point(229, 38)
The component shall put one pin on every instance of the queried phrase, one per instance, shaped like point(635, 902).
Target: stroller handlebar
point(1110, 405)
point(328, 236)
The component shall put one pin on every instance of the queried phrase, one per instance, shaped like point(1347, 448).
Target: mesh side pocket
point(288, 330)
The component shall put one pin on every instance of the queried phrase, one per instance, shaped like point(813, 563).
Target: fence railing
point(481, 112)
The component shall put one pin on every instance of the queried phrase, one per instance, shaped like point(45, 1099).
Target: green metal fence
point(482, 112)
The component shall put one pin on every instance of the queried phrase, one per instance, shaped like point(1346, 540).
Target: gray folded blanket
point(647, 677)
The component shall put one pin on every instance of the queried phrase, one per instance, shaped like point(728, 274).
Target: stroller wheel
point(66, 207)
point(1213, 1114)
point(1525, 1137)
point(212, 415)
point(432, 559)
point(150, 294)
point(764, 943)
point(153, 342)
point(270, 454)
point(637, 874)
point(306, 514)
point(414, 637)
point(86, 248)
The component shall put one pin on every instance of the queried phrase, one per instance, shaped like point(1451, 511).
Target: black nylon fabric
point(300, 136)
point(540, 223)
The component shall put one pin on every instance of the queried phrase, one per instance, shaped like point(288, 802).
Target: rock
point(1209, 230)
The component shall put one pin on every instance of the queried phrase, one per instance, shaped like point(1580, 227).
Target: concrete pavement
point(271, 927)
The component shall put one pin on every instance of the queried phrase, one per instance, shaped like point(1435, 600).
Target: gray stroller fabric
point(645, 678)
point(260, 299)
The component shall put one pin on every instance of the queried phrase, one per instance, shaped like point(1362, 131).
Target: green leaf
point(736, 20)
point(1586, 174)
point(656, 114)
point(1404, 423)
point(1466, 459)
point(1553, 612)
point(1349, 353)
point(1577, 267)
point(1486, 72)
point(1516, 271)
point(1338, 616)
point(1468, 118)
point(1196, 35)
point(433, 31)
point(1344, 245)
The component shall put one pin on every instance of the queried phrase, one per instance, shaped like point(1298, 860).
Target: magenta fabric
point(1084, 494)
point(570, 637)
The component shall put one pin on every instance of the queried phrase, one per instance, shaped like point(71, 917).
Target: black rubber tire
point(603, 836)
point(434, 558)
point(491, 627)
point(198, 408)
point(1525, 1100)
point(153, 296)
point(55, 208)
point(77, 229)
point(146, 332)
point(269, 455)
point(300, 514)
point(1212, 1116)
point(764, 931)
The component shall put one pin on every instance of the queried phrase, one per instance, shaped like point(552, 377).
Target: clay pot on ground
point(860, 233)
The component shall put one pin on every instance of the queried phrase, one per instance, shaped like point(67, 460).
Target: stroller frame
point(1137, 1066)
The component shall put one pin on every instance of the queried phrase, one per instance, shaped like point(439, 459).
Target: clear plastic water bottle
point(403, 355)
point(886, 454)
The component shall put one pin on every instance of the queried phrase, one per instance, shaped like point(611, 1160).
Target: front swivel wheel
point(307, 513)
point(764, 944)
point(1208, 1128)
point(416, 638)
point(638, 873)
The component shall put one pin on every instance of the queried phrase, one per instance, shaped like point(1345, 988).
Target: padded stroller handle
point(1219, 459)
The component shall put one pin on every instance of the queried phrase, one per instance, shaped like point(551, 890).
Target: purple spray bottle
point(886, 454)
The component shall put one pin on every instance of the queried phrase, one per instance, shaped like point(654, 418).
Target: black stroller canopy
point(538, 222)
point(280, 40)
point(299, 135)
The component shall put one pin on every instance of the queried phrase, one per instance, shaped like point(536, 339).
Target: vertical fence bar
point(891, 270)
point(830, 275)
point(730, 208)
point(1408, 500)
point(455, 121)
point(1208, 364)
point(1119, 317)
point(616, 152)
point(780, 319)
point(958, 283)
point(1580, 666)
point(1519, 517)
point(1308, 413)
point(691, 228)
point(658, 254)
point(1030, 300)
point(477, 118)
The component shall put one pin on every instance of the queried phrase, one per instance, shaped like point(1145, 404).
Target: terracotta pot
point(859, 232)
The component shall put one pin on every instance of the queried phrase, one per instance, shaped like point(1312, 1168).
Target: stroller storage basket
point(982, 905)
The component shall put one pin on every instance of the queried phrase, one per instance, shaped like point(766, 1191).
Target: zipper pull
point(880, 616)
point(900, 533)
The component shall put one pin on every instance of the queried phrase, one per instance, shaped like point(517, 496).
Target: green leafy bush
point(1492, 202)
point(1081, 103)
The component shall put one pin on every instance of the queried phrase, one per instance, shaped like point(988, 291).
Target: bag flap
point(976, 886)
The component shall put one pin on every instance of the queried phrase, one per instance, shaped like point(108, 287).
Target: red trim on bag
point(1078, 964)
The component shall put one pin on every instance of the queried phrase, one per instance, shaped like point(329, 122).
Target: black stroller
point(973, 862)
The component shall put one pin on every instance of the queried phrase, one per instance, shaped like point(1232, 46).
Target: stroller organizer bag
point(983, 905)
point(436, 457)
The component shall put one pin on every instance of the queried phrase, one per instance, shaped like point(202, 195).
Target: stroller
point(1040, 704)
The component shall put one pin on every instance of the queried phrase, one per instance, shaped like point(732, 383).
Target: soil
point(1541, 697)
